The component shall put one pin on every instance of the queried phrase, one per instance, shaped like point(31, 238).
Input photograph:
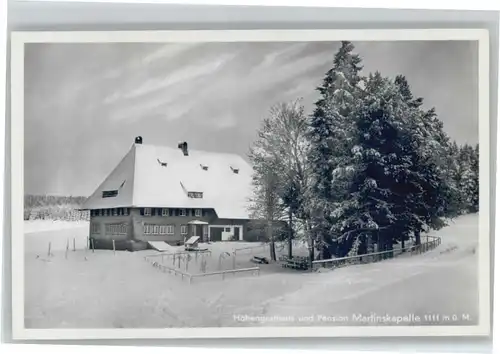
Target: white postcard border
point(18, 41)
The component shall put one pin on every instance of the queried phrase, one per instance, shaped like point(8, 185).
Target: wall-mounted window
point(109, 194)
point(197, 212)
point(152, 229)
point(205, 232)
point(115, 212)
point(227, 229)
point(147, 211)
point(184, 229)
point(165, 212)
point(101, 212)
point(125, 211)
point(116, 229)
point(95, 228)
point(182, 212)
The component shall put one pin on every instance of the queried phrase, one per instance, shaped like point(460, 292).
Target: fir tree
point(330, 128)
point(468, 179)
point(381, 159)
point(475, 173)
point(430, 192)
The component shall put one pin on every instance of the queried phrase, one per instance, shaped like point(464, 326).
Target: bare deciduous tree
point(279, 158)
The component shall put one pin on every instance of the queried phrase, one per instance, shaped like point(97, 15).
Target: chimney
point(138, 139)
point(184, 147)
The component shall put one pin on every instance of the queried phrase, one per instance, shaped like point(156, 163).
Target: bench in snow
point(260, 260)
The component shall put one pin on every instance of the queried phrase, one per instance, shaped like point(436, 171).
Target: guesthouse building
point(158, 193)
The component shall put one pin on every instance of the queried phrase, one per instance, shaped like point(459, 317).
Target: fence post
point(74, 245)
point(114, 248)
point(48, 253)
point(67, 249)
point(92, 244)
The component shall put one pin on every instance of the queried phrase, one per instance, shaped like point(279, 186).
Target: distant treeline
point(51, 207)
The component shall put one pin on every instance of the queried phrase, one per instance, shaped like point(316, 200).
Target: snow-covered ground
point(99, 289)
point(49, 225)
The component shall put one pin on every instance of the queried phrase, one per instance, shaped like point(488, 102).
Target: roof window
point(162, 164)
point(109, 194)
point(195, 195)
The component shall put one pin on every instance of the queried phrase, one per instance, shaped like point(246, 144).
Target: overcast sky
point(85, 103)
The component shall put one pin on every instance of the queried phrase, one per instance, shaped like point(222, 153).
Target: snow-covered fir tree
point(377, 206)
point(475, 173)
point(468, 179)
point(428, 205)
point(330, 130)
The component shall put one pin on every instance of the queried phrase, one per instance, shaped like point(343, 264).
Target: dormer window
point(162, 164)
point(195, 195)
point(235, 170)
point(204, 167)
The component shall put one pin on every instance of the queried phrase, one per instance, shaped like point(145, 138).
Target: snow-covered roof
point(159, 177)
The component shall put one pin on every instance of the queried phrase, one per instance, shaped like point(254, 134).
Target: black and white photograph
point(324, 184)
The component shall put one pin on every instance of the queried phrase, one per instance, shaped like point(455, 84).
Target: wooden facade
point(133, 227)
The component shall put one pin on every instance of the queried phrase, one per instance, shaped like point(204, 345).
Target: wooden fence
point(430, 243)
point(163, 255)
point(189, 276)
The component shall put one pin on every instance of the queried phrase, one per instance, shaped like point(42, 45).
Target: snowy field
point(86, 289)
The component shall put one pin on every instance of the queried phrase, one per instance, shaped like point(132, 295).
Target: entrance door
point(237, 233)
